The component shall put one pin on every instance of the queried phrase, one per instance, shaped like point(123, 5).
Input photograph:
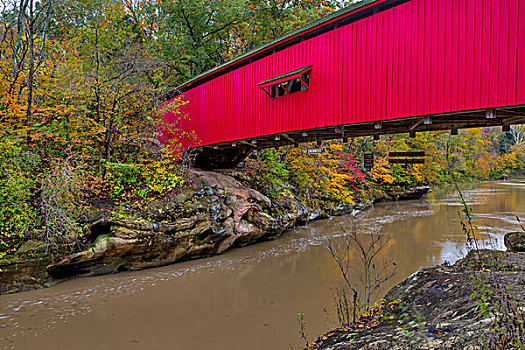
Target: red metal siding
point(420, 58)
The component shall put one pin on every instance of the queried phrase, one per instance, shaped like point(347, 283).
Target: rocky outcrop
point(515, 241)
point(222, 215)
point(219, 215)
point(26, 269)
point(406, 194)
point(435, 308)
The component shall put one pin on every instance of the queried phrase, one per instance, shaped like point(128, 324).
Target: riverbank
point(473, 302)
point(222, 213)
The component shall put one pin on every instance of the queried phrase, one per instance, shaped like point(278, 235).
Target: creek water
point(249, 298)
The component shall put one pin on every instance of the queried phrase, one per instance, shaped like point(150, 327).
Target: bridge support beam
point(226, 155)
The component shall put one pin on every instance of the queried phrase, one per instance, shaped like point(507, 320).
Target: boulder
point(515, 241)
point(408, 194)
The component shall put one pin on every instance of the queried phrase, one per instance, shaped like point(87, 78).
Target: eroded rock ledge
point(221, 215)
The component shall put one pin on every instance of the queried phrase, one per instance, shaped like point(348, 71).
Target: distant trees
point(518, 133)
point(197, 35)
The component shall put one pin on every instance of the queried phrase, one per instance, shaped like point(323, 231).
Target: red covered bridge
point(378, 67)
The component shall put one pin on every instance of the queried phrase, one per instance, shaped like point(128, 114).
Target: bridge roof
point(327, 23)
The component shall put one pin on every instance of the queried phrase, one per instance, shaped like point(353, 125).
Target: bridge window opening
point(289, 87)
point(296, 81)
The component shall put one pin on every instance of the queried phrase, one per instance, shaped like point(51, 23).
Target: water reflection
point(249, 297)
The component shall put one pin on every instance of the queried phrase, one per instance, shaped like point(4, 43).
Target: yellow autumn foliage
point(325, 176)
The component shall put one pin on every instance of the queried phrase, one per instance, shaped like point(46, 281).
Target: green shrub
point(268, 173)
point(60, 193)
point(18, 215)
point(121, 178)
point(126, 181)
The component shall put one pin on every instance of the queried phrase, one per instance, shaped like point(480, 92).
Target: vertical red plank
point(325, 73)
point(496, 27)
point(359, 68)
point(289, 63)
point(327, 67)
point(458, 89)
point(330, 75)
point(441, 55)
point(474, 63)
point(475, 54)
point(387, 66)
point(520, 76)
point(322, 80)
point(374, 76)
point(346, 84)
point(347, 81)
point(225, 129)
point(362, 69)
point(381, 64)
point(485, 56)
point(429, 60)
point(414, 54)
point(426, 44)
point(355, 72)
point(336, 73)
point(285, 107)
point(434, 56)
point(317, 82)
point(405, 54)
point(353, 80)
point(305, 104)
point(389, 44)
point(512, 50)
point(394, 13)
point(341, 49)
point(403, 77)
point(367, 23)
point(367, 68)
point(350, 115)
point(449, 55)
point(341, 67)
point(404, 73)
point(338, 79)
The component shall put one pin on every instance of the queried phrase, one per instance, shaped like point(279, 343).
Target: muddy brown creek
point(249, 298)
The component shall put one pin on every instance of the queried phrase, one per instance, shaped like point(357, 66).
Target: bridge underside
point(228, 155)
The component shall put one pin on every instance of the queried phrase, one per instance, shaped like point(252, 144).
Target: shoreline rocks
point(515, 241)
point(407, 194)
point(438, 307)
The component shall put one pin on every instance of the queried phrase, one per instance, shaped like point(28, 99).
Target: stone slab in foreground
point(435, 309)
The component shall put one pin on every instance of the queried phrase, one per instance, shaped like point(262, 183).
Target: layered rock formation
point(223, 214)
point(220, 215)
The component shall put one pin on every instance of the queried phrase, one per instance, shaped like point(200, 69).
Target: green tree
point(193, 33)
